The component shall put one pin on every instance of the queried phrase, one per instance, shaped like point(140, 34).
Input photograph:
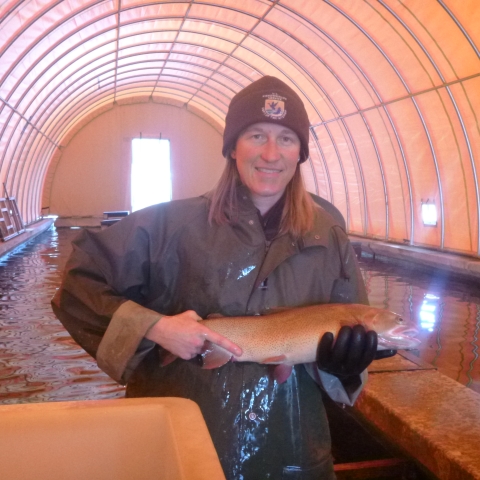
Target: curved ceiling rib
point(360, 111)
point(390, 88)
point(470, 150)
point(452, 99)
point(405, 85)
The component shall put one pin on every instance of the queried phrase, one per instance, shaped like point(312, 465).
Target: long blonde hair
point(298, 211)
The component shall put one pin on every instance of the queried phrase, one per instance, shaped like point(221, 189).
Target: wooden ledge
point(433, 418)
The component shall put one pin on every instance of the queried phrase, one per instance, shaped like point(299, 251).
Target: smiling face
point(267, 156)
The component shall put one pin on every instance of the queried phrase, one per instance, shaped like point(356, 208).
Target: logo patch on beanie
point(274, 106)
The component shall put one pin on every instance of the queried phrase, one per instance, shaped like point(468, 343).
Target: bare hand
point(183, 336)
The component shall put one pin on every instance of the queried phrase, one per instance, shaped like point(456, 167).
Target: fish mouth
point(399, 338)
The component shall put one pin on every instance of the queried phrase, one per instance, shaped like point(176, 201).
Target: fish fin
point(166, 358)
point(215, 315)
point(214, 356)
point(282, 372)
point(276, 359)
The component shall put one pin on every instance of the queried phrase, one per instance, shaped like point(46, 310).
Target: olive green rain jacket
point(167, 259)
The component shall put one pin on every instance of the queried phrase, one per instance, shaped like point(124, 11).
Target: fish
point(291, 336)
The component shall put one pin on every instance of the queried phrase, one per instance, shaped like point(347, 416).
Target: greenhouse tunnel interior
point(391, 89)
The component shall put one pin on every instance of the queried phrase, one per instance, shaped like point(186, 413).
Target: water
point(40, 362)
point(446, 311)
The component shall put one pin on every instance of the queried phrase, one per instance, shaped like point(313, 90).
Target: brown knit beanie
point(266, 100)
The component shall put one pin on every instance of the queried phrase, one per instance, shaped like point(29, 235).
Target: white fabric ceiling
point(392, 89)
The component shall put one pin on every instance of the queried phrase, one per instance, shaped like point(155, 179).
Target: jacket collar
point(318, 236)
point(286, 246)
point(245, 202)
point(320, 233)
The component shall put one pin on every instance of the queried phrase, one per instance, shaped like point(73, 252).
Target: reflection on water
point(38, 359)
point(40, 362)
point(446, 312)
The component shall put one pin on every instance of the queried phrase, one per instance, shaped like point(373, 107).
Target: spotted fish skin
point(291, 336)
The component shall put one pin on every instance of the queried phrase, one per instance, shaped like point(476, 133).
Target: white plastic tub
point(131, 439)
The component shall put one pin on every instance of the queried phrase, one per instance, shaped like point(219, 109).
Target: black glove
point(352, 352)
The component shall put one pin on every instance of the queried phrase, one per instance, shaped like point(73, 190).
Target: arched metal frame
point(31, 131)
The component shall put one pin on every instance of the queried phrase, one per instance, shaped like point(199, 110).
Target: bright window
point(429, 214)
point(428, 312)
point(151, 180)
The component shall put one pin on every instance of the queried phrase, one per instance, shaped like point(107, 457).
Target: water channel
point(40, 362)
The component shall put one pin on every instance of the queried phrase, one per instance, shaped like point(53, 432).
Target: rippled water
point(38, 359)
point(445, 310)
point(40, 362)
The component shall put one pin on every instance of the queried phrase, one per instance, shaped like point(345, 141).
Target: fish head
point(393, 331)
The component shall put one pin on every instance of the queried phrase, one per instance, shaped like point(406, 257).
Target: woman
point(257, 242)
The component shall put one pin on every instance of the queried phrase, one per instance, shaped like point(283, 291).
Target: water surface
point(40, 362)
point(445, 309)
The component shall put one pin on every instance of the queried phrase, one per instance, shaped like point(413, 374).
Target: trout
point(291, 336)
